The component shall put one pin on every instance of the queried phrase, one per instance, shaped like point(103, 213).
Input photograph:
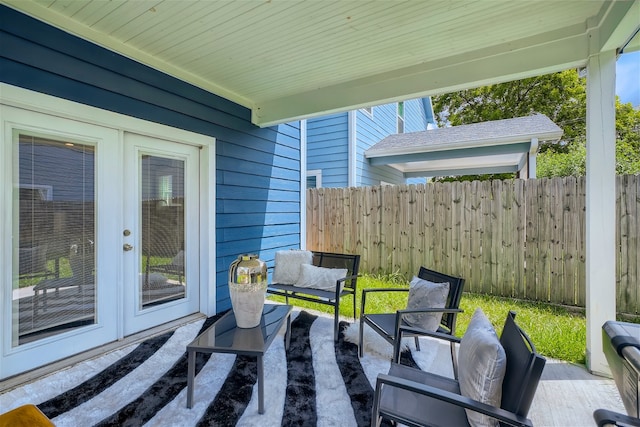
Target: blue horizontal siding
point(235, 205)
point(270, 230)
point(370, 131)
point(328, 148)
point(261, 165)
point(415, 118)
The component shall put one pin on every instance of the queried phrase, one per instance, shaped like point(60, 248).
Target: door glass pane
point(162, 277)
point(53, 252)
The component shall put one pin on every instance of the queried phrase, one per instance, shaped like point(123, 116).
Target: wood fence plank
point(376, 229)
point(474, 280)
point(555, 241)
point(487, 237)
point(582, 241)
point(416, 207)
point(464, 230)
point(447, 220)
point(570, 236)
point(496, 248)
point(519, 226)
point(507, 261)
point(430, 228)
point(532, 241)
point(622, 294)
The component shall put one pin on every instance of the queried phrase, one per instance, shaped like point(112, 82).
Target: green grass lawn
point(557, 333)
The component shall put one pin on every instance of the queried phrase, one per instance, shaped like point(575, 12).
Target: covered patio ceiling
point(289, 60)
point(499, 146)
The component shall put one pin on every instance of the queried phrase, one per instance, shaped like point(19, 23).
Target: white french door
point(59, 291)
point(102, 227)
point(161, 232)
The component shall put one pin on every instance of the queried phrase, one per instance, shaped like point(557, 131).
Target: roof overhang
point(288, 60)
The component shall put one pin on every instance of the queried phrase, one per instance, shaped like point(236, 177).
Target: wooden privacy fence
point(513, 238)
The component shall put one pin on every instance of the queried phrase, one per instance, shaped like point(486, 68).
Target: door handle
point(127, 247)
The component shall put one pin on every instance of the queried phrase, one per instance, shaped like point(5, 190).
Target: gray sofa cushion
point(482, 363)
point(426, 294)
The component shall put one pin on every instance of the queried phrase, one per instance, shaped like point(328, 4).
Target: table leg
point(260, 385)
point(287, 333)
point(191, 373)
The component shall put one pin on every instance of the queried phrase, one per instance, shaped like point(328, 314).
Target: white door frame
point(38, 103)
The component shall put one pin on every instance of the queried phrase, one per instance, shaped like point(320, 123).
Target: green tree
point(561, 97)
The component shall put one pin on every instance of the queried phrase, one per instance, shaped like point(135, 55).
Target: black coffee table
point(224, 336)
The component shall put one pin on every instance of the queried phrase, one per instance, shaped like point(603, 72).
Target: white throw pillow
point(426, 294)
point(286, 270)
point(482, 363)
point(321, 277)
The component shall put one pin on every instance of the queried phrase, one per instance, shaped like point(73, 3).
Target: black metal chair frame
point(605, 417)
point(332, 298)
point(524, 369)
point(387, 324)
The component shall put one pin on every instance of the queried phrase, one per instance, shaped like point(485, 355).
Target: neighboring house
point(104, 149)
point(336, 144)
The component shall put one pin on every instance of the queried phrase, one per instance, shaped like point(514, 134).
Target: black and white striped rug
point(316, 382)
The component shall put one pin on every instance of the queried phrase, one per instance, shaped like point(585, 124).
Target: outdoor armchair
point(497, 381)
point(388, 324)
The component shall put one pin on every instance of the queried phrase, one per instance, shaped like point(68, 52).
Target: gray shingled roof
point(486, 133)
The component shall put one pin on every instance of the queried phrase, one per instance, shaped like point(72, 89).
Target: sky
point(628, 78)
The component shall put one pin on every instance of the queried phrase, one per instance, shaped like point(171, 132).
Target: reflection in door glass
point(54, 286)
point(162, 277)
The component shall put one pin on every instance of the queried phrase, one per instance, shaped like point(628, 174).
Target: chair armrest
point(453, 398)
point(433, 334)
point(401, 313)
point(604, 417)
point(373, 290)
point(428, 310)
point(453, 340)
point(344, 279)
point(385, 290)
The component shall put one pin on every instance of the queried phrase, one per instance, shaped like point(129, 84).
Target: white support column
point(600, 205)
point(532, 164)
point(303, 184)
point(353, 142)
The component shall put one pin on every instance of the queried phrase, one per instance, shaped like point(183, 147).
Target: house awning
point(498, 146)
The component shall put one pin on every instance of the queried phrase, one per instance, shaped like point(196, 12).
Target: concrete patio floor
point(568, 394)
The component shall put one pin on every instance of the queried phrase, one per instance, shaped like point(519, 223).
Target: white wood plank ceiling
point(287, 59)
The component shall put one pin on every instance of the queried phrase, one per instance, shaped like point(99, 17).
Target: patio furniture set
point(494, 378)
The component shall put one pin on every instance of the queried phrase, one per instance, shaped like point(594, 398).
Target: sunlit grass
point(557, 332)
